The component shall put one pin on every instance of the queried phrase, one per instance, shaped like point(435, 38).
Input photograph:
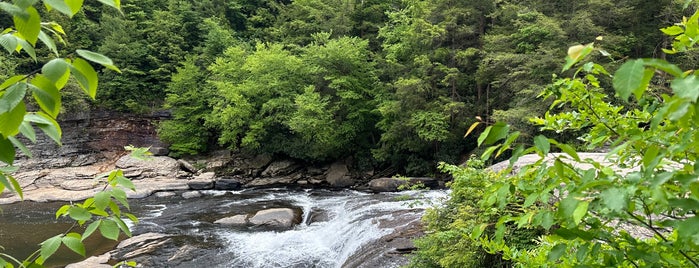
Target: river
point(335, 226)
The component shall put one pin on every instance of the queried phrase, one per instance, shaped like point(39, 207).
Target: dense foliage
point(33, 100)
point(392, 84)
point(634, 207)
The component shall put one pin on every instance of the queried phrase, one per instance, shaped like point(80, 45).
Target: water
point(334, 226)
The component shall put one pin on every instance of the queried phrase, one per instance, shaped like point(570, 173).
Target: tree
point(44, 84)
point(591, 213)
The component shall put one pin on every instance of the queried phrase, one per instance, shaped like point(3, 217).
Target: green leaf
point(629, 79)
point(478, 231)
point(556, 252)
point(59, 5)
point(112, 3)
point(16, 186)
point(9, 42)
point(91, 228)
point(497, 132)
point(132, 217)
point(7, 151)
point(614, 199)
point(48, 41)
point(62, 211)
point(46, 95)
point(672, 30)
point(50, 246)
point(79, 214)
point(102, 200)
point(488, 152)
point(542, 144)
point(47, 124)
point(577, 53)
point(580, 211)
point(686, 88)
point(10, 121)
point(12, 81)
point(109, 229)
point(75, 6)
point(86, 76)
point(664, 66)
point(58, 71)
point(21, 146)
point(74, 242)
point(12, 97)
point(30, 26)
point(125, 182)
point(568, 150)
point(24, 45)
point(688, 229)
point(28, 131)
point(122, 226)
point(98, 58)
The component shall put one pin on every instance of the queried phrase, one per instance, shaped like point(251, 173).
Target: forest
point(406, 87)
point(393, 84)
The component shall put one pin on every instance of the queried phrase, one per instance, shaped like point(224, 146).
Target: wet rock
point(186, 166)
point(165, 194)
point(237, 220)
point(386, 184)
point(338, 176)
point(192, 194)
point(140, 245)
point(276, 217)
point(227, 184)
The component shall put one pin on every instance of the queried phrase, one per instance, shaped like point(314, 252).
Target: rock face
point(338, 176)
point(157, 166)
point(394, 184)
point(276, 217)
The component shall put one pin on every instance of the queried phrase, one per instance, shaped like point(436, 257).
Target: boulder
point(237, 220)
point(386, 184)
point(260, 161)
point(280, 168)
point(186, 166)
point(165, 194)
point(159, 151)
point(338, 175)
point(276, 217)
point(266, 182)
point(204, 181)
point(227, 184)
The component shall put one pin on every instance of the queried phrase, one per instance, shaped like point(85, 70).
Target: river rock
point(386, 184)
point(191, 194)
point(165, 194)
point(204, 181)
point(140, 245)
point(237, 220)
point(276, 217)
point(159, 151)
point(266, 182)
point(186, 166)
point(227, 184)
point(338, 176)
point(280, 168)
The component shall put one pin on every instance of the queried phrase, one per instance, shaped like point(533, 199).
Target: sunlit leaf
point(49, 246)
point(109, 229)
point(74, 242)
point(629, 79)
point(98, 58)
point(30, 26)
point(86, 76)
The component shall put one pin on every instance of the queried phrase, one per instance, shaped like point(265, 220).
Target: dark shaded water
point(335, 225)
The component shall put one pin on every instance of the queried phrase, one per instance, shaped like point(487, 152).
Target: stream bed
point(335, 226)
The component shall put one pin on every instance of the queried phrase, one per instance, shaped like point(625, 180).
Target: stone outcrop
point(338, 176)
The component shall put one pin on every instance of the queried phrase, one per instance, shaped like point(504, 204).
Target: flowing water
point(335, 225)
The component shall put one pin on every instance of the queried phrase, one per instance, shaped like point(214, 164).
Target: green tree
point(592, 210)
